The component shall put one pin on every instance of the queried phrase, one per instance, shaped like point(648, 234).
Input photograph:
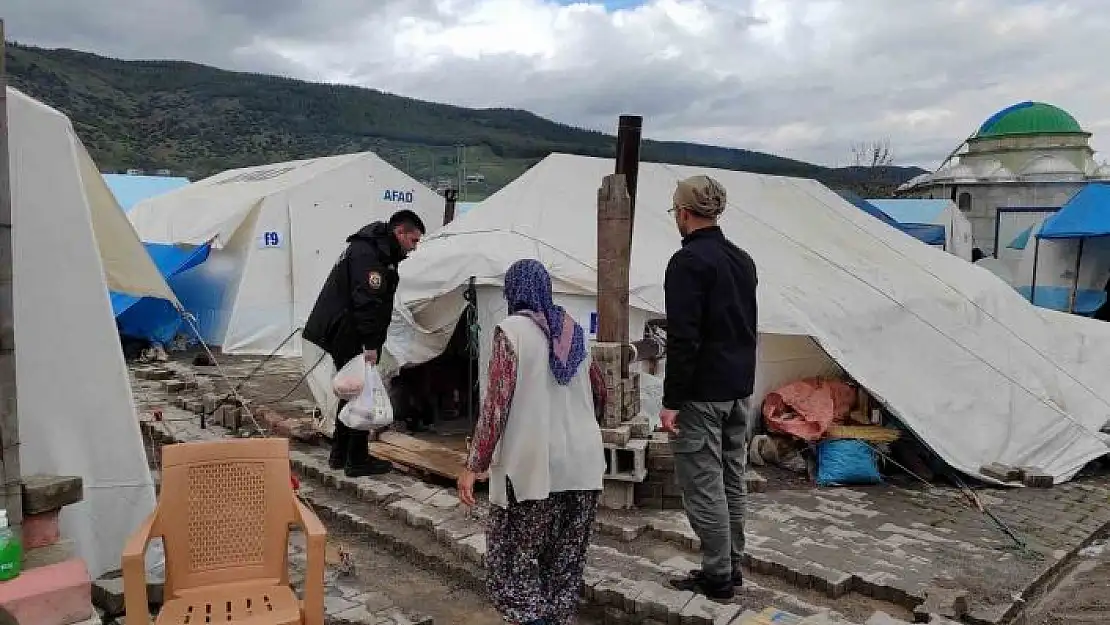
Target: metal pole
point(450, 196)
point(10, 476)
point(629, 133)
point(1075, 282)
point(1036, 254)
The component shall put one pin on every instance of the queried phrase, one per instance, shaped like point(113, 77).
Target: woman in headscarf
point(538, 437)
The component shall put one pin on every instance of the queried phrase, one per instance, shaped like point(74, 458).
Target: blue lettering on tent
point(393, 195)
point(593, 322)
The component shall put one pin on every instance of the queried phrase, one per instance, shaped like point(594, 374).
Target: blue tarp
point(1021, 240)
point(912, 210)
point(130, 190)
point(926, 233)
point(151, 318)
point(1086, 214)
point(1087, 301)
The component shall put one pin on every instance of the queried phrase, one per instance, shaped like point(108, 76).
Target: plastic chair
point(223, 515)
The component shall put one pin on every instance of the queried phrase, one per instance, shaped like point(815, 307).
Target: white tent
point(276, 230)
point(1055, 263)
point(76, 414)
point(957, 228)
point(965, 362)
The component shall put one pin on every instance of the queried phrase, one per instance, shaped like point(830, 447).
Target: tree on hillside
point(872, 160)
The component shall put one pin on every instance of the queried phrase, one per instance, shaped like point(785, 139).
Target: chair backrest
point(224, 512)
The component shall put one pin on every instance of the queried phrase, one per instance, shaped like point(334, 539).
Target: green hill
point(196, 120)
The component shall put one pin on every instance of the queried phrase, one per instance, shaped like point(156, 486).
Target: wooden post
point(450, 197)
point(10, 477)
point(614, 214)
point(629, 132)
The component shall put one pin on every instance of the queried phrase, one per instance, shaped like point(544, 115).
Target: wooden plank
point(412, 443)
point(433, 460)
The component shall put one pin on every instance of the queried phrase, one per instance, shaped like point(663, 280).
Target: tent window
point(965, 202)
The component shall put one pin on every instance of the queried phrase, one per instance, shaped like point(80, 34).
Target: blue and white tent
point(1065, 264)
point(130, 189)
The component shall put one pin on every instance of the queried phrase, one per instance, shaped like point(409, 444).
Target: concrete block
point(946, 602)
point(1035, 477)
point(51, 554)
point(755, 482)
point(1001, 472)
point(195, 406)
point(616, 436)
point(51, 595)
point(657, 602)
point(40, 530)
point(474, 548)
point(107, 595)
point(210, 401)
point(617, 495)
point(230, 417)
point(173, 386)
point(43, 493)
point(640, 426)
point(626, 462)
point(703, 611)
point(660, 464)
point(660, 444)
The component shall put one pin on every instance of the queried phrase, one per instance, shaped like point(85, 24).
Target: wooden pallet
point(421, 457)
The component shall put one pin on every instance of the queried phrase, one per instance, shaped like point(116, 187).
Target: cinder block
point(51, 595)
point(1001, 472)
point(228, 416)
point(616, 436)
point(43, 493)
point(626, 462)
point(210, 401)
point(617, 496)
point(154, 374)
point(40, 530)
point(660, 445)
point(657, 463)
point(611, 417)
point(195, 406)
point(640, 426)
point(1035, 477)
point(173, 386)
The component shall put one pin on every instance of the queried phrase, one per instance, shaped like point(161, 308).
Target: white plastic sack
point(370, 407)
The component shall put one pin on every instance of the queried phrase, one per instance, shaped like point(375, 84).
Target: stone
point(616, 436)
point(210, 401)
point(336, 605)
point(43, 493)
point(444, 500)
point(41, 530)
point(357, 615)
point(882, 618)
point(660, 603)
point(51, 595)
point(704, 611)
point(376, 490)
point(474, 548)
point(173, 386)
point(421, 492)
point(51, 554)
point(946, 602)
point(375, 601)
point(107, 595)
point(1001, 472)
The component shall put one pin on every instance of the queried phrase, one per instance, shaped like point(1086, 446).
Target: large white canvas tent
point(275, 231)
point(909, 211)
point(72, 243)
point(978, 374)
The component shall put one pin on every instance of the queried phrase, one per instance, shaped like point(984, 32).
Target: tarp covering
point(1086, 214)
point(130, 190)
point(76, 413)
point(957, 354)
point(936, 222)
point(927, 234)
point(1055, 262)
point(151, 318)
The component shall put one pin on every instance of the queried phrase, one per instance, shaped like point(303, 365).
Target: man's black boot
point(716, 589)
point(372, 466)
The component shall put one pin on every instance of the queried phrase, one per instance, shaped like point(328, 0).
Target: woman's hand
point(466, 486)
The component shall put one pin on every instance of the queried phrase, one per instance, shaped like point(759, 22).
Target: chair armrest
point(134, 573)
point(316, 538)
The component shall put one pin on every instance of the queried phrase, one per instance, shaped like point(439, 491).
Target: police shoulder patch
point(374, 279)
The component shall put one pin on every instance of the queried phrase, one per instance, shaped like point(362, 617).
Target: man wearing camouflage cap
point(711, 339)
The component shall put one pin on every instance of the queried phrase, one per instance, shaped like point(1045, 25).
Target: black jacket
point(355, 305)
point(711, 321)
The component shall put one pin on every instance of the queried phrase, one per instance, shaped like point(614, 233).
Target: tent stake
point(10, 477)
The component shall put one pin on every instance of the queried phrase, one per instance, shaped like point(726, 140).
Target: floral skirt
point(536, 553)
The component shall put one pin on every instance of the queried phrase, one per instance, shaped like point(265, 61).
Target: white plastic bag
point(351, 379)
point(371, 409)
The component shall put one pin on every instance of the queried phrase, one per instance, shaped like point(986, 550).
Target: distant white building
point(1022, 164)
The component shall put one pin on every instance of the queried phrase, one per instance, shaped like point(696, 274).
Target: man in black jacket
point(711, 341)
point(352, 314)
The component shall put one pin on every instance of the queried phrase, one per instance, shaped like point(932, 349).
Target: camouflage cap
point(700, 195)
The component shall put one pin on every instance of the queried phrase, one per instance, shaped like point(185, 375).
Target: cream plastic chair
point(223, 515)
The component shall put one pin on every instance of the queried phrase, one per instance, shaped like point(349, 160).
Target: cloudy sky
point(800, 78)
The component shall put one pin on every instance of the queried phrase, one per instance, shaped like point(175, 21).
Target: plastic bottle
point(11, 551)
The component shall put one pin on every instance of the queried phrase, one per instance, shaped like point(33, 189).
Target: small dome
point(916, 180)
point(1029, 118)
point(994, 170)
point(1046, 164)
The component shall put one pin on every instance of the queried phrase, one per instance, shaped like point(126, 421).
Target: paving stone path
point(885, 542)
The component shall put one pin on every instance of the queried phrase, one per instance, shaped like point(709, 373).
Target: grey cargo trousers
point(711, 454)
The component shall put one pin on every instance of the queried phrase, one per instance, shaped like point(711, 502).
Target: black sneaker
point(697, 582)
point(373, 466)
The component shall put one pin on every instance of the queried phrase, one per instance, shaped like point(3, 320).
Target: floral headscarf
point(528, 293)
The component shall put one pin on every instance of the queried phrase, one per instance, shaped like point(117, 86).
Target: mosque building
point(1022, 164)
